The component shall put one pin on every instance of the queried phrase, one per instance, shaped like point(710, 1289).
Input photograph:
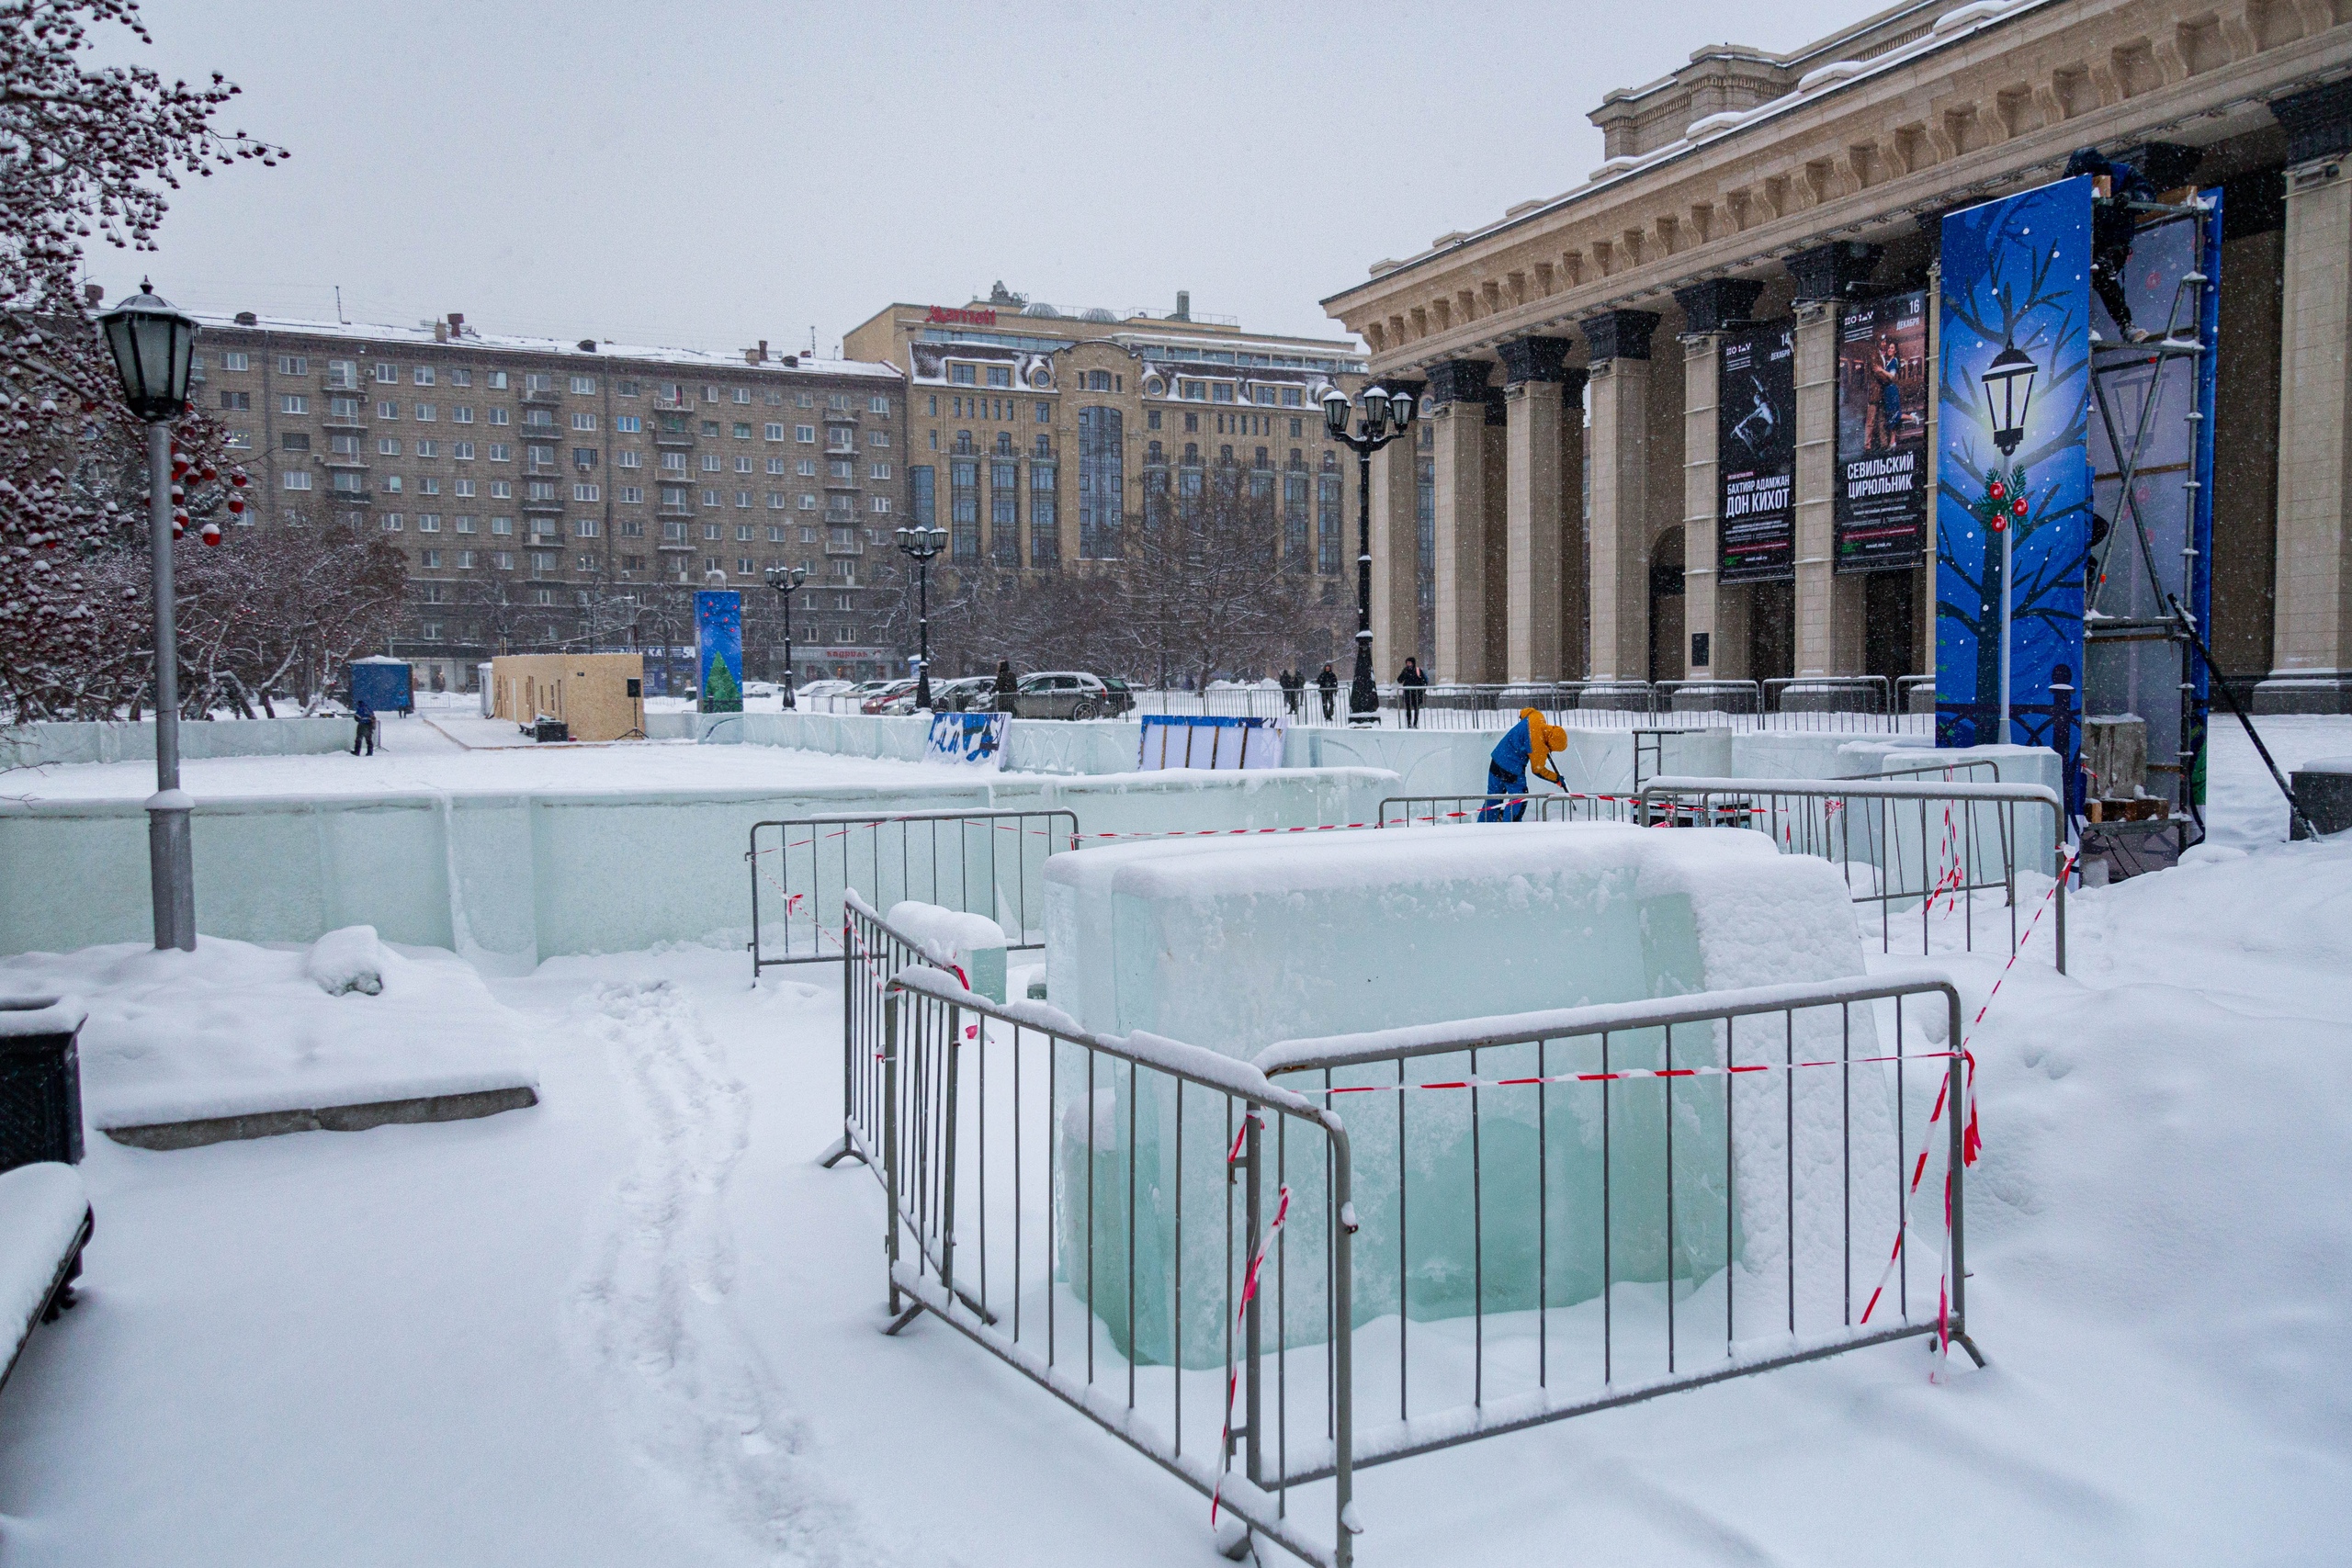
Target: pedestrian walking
point(1006, 686)
point(1292, 683)
point(1526, 747)
point(1412, 684)
point(1327, 683)
point(363, 714)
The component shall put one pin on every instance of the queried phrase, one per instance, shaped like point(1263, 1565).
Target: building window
point(964, 508)
point(462, 414)
point(629, 495)
point(293, 364)
point(1102, 482)
point(388, 447)
point(428, 522)
point(586, 492)
point(584, 456)
point(463, 451)
point(428, 448)
point(1004, 513)
point(296, 479)
point(628, 424)
point(1045, 517)
point(465, 524)
point(743, 498)
point(922, 496)
point(293, 402)
point(392, 521)
point(423, 375)
point(1295, 520)
point(1327, 525)
point(584, 422)
point(498, 416)
point(235, 361)
point(1000, 374)
point(773, 432)
point(628, 459)
point(584, 386)
point(425, 410)
point(240, 402)
point(960, 375)
point(805, 433)
point(501, 526)
point(1265, 395)
point(807, 503)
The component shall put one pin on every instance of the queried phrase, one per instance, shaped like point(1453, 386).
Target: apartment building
point(571, 496)
point(1040, 439)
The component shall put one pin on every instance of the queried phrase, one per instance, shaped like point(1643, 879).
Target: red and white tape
point(1240, 1317)
point(1626, 1073)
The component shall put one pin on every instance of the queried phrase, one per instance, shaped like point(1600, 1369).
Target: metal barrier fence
point(985, 862)
point(1097, 1213)
point(1566, 1211)
point(1855, 704)
point(1591, 1208)
point(1900, 842)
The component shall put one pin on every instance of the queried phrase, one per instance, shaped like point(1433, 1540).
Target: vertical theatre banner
point(2013, 484)
point(719, 649)
point(1881, 502)
point(1756, 444)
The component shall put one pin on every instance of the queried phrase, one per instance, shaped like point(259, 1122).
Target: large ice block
point(1235, 946)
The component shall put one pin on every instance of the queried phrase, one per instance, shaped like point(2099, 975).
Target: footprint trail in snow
point(688, 1389)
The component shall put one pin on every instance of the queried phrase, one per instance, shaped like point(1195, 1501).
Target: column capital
point(1717, 303)
point(1459, 380)
point(1534, 358)
point(1620, 334)
point(1826, 272)
point(2318, 122)
point(1572, 385)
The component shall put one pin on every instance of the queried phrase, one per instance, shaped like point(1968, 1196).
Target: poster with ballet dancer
point(1881, 500)
point(1755, 447)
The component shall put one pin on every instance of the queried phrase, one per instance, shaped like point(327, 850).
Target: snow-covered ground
point(636, 1324)
point(431, 752)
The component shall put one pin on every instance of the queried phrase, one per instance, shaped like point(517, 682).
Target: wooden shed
point(599, 696)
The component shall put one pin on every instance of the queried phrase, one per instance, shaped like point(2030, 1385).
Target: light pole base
point(170, 869)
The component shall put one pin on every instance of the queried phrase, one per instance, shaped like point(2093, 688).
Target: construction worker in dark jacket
point(1526, 747)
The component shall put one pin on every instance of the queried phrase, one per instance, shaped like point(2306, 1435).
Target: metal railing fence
point(1481, 1225)
point(1561, 1213)
point(983, 863)
point(1126, 1222)
point(1903, 844)
point(1857, 704)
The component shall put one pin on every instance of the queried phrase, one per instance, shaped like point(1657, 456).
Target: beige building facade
point(551, 495)
point(1570, 348)
point(1043, 439)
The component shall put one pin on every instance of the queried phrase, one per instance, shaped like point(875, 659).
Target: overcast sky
point(706, 176)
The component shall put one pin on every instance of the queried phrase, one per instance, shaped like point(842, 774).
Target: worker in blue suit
point(1526, 747)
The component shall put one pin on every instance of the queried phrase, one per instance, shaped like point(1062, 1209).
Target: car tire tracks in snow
point(690, 1394)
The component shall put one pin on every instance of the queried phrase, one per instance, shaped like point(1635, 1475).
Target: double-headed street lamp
point(922, 546)
point(153, 344)
point(786, 581)
point(1380, 412)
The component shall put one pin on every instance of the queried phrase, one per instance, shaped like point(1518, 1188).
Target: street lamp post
point(2009, 392)
point(152, 343)
point(922, 546)
point(786, 581)
point(1380, 412)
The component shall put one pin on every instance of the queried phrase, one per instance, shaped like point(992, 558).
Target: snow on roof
point(365, 333)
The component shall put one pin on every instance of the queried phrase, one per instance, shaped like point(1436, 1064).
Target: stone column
point(1708, 309)
point(1829, 608)
point(1459, 387)
point(2310, 659)
point(1618, 396)
point(1575, 657)
point(1396, 548)
point(1533, 507)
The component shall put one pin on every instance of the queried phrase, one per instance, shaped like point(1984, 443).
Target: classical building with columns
point(1569, 350)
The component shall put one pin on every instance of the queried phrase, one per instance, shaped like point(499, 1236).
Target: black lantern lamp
point(2008, 388)
point(153, 343)
point(786, 581)
point(1380, 412)
point(923, 545)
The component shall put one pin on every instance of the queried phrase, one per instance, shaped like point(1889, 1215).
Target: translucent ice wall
point(1236, 946)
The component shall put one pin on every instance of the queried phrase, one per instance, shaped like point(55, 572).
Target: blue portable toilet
point(387, 683)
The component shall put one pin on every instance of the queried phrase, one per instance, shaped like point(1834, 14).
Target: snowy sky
point(709, 175)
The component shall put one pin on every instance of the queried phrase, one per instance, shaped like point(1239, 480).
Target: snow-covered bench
point(45, 1221)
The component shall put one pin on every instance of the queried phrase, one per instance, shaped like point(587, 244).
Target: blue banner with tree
point(718, 649)
point(2013, 483)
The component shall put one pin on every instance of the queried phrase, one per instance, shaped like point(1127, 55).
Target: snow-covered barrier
point(508, 878)
point(1031, 746)
point(44, 1220)
point(1236, 945)
point(53, 742)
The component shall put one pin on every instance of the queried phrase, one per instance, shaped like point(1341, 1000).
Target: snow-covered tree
point(85, 153)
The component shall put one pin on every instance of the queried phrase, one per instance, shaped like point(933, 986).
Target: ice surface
point(1233, 946)
point(953, 939)
point(233, 1029)
point(41, 1209)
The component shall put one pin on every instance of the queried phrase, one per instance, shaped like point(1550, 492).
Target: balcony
point(843, 548)
point(842, 484)
point(675, 545)
point(350, 497)
point(342, 421)
point(544, 506)
point(668, 510)
point(342, 460)
point(542, 400)
point(673, 405)
point(673, 439)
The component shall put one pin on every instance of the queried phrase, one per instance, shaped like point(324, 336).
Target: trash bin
point(550, 729)
point(40, 1082)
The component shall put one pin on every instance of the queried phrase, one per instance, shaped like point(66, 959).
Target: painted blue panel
point(718, 649)
point(2016, 275)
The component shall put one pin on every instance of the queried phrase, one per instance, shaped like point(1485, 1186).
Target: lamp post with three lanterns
point(1386, 418)
point(922, 546)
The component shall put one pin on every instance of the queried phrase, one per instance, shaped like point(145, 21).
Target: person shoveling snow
point(1526, 747)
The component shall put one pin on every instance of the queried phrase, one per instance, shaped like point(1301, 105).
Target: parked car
point(822, 689)
point(760, 688)
point(968, 693)
point(1122, 700)
point(879, 701)
point(1063, 694)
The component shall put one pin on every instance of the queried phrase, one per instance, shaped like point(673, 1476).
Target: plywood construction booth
point(599, 696)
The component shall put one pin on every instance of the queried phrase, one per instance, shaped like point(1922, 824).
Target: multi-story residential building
point(550, 494)
point(1040, 440)
point(1574, 342)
